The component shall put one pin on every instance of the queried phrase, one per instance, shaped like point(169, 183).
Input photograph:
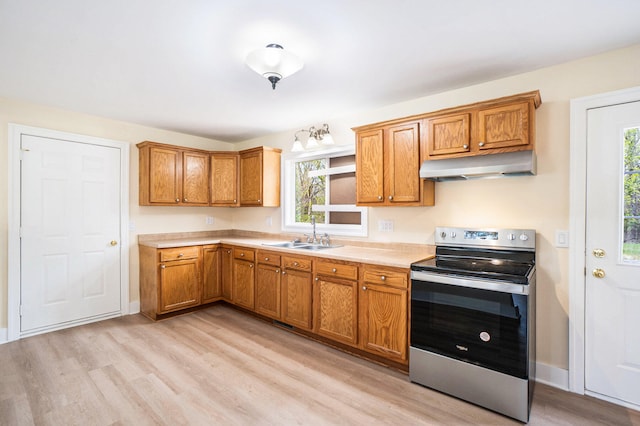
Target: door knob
point(113, 243)
point(598, 253)
point(598, 273)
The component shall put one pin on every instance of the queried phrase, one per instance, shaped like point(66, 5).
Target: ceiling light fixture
point(274, 63)
point(317, 137)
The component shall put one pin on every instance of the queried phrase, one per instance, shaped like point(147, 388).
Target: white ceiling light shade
point(274, 63)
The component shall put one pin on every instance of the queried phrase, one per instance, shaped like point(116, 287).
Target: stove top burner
point(503, 265)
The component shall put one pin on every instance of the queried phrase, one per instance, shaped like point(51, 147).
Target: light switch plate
point(209, 220)
point(562, 238)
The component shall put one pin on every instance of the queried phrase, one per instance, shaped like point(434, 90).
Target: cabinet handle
point(180, 254)
point(383, 278)
point(241, 254)
point(390, 197)
point(380, 197)
point(284, 272)
point(185, 200)
point(259, 200)
point(481, 144)
point(251, 265)
point(162, 266)
point(277, 271)
point(228, 251)
point(235, 201)
point(334, 270)
point(364, 288)
point(266, 259)
point(177, 200)
point(295, 263)
point(317, 279)
point(465, 146)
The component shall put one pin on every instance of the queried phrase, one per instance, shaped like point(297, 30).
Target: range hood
point(517, 163)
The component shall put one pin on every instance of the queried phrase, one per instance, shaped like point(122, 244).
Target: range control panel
point(490, 237)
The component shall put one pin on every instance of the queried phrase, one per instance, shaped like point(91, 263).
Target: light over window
point(323, 185)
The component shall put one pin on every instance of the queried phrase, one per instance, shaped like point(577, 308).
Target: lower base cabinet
point(360, 305)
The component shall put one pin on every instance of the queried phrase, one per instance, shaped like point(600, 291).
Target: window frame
point(288, 196)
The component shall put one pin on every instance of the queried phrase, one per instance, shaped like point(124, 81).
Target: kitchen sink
point(300, 245)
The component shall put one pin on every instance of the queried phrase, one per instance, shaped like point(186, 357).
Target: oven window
point(483, 327)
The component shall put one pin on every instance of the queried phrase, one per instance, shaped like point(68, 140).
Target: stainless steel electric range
point(473, 318)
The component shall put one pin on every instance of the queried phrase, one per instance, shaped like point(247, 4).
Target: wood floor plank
point(219, 366)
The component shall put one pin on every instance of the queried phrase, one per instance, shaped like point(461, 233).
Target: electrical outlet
point(268, 221)
point(209, 220)
point(385, 225)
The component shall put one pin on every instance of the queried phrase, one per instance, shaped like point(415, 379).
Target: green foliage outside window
point(631, 241)
point(310, 190)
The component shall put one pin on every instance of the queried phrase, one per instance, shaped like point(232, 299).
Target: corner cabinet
point(260, 177)
point(500, 125)
point(388, 166)
point(171, 176)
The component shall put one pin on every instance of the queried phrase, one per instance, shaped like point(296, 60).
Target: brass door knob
point(598, 273)
point(113, 243)
point(598, 253)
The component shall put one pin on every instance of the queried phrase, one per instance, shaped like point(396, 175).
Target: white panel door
point(612, 322)
point(70, 228)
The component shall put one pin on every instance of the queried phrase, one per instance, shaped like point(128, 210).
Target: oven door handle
point(466, 282)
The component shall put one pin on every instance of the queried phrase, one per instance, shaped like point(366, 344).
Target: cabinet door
point(448, 135)
point(195, 178)
point(179, 285)
point(402, 154)
point(211, 285)
point(164, 175)
point(226, 270)
point(224, 179)
point(296, 298)
point(251, 178)
point(335, 309)
point(504, 126)
point(268, 291)
point(370, 167)
point(243, 286)
point(383, 320)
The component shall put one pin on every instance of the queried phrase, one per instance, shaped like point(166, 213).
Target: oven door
point(475, 321)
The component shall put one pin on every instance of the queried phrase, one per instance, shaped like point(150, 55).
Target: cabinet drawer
point(244, 254)
point(179, 253)
point(384, 276)
point(349, 272)
point(268, 258)
point(300, 263)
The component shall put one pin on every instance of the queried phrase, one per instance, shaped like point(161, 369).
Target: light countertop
point(396, 255)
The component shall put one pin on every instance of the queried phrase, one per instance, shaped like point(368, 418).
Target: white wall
point(539, 202)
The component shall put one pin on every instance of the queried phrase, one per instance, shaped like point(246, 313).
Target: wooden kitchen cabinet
point(297, 291)
point(268, 287)
point(499, 125)
point(170, 279)
point(243, 284)
point(211, 274)
point(226, 271)
point(383, 312)
point(335, 301)
point(224, 178)
point(260, 177)
point(388, 166)
point(173, 176)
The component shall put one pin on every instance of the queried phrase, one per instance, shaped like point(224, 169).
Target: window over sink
point(322, 184)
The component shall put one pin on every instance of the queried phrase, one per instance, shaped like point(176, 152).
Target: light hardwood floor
point(222, 367)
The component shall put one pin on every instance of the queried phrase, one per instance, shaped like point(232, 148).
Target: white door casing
point(66, 248)
point(612, 294)
point(578, 244)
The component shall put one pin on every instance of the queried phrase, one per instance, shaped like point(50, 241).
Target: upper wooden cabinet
point(224, 178)
point(500, 125)
point(171, 176)
point(260, 177)
point(388, 165)
point(177, 176)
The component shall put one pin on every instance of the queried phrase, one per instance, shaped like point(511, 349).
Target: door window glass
point(631, 176)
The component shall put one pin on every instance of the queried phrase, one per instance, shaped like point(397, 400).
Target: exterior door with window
point(612, 336)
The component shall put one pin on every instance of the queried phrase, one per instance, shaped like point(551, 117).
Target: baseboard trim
point(134, 307)
point(552, 376)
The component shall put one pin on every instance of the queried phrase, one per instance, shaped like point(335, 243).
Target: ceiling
point(179, 64)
